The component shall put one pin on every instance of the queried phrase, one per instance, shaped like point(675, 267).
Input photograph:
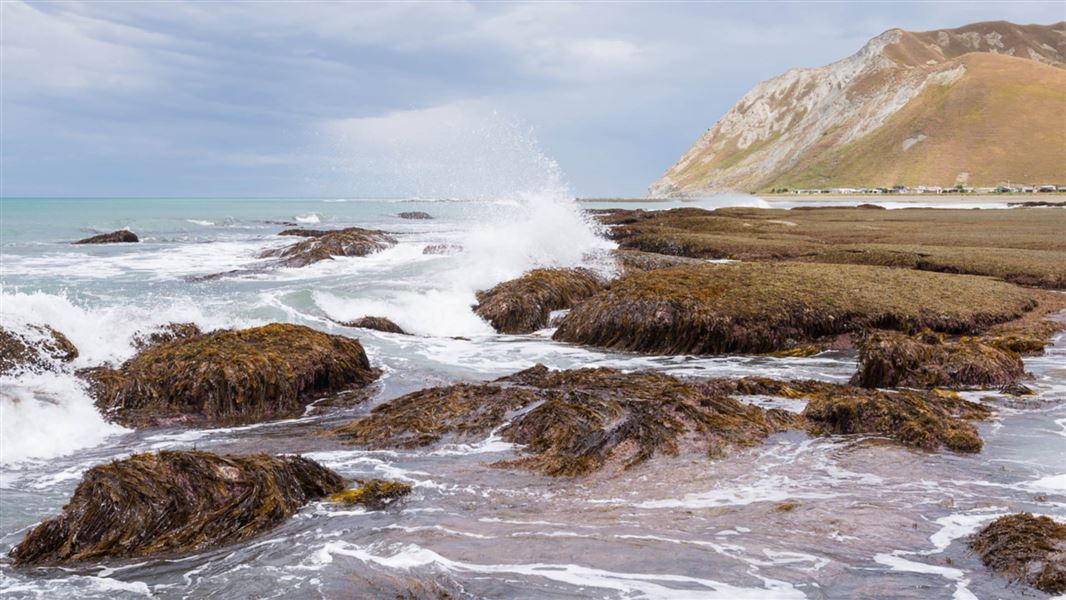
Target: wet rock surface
point(1026, 548)
point(377, 324)
point(928, 360)
point(524, 305)
point(230, 377)
point(171, 503)
point(767, 307)
point(416, 215)
point(122, 236)
point(324, 245)
point(34, 349)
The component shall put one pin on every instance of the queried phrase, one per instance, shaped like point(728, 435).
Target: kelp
point(633, 261)
point(122, 236)
point(768, 307)
point(375, 323)
point(165, 333)
point(1025, 548)
point(465, 412)
point(37, 350)
point(523, 305)
point(923, 420)
point(324, 245)
point(373, 494)
point(230, 377)
point(572, 422)
point(928, 360)
point(171, 503)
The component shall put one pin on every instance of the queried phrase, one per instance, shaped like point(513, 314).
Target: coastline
point(871, 198)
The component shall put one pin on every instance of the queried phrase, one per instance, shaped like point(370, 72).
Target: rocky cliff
point(979, 105)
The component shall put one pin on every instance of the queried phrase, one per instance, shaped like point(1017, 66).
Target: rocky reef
point(173, 503)
point(928, 360)
point(375, 323)
point(373, 494)
point(767, 307)
point(122, 236)
point(415, 214)
point(920, 420)
point(575, 422)
point(36, 350)
point(523, 305)
point(325, 244)
point(230, 377)
point(1025, 548)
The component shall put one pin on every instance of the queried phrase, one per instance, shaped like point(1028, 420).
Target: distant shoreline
point(871, 198)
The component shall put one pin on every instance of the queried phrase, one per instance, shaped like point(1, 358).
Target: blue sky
point(396, 99)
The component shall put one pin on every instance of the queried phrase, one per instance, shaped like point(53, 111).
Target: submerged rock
point(766, 307)
point(524, 305)
point(122, 236)
point(415, 214)
point(576, 422)
point(374, 494)
point(35, 350)
point(231, 377)
point(928, 360)
point(165, 333)
point(174, 503)
point(324, 245)
point(1025, 548)
point(377, 324)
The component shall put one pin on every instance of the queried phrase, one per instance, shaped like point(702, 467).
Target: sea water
point(870, 519)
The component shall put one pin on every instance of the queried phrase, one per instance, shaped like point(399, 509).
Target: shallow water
point(870, 519)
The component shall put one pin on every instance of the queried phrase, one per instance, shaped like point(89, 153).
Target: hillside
point(979, 105)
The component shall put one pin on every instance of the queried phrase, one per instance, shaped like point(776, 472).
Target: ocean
point(871, 520)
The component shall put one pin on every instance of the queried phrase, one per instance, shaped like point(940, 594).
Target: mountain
point(978, 105)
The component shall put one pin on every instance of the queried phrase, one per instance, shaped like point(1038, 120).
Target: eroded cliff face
point(781, 131)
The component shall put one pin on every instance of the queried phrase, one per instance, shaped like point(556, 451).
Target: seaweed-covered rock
point(415, 214)
point(575, 422)
point(766, 307)
point(632, 261)
point(34, 348)
point(376, 323)
point(523, 305)
point(174, 503)
point(303, 232)
point(893, 359)
point(374, 494)
point(165, 333)
point(122, 236)
point(923, 420)
point(1025, 548)
point(324, 245)
point(231, 377)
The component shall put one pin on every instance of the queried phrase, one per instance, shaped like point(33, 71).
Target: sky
point(388, 99)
